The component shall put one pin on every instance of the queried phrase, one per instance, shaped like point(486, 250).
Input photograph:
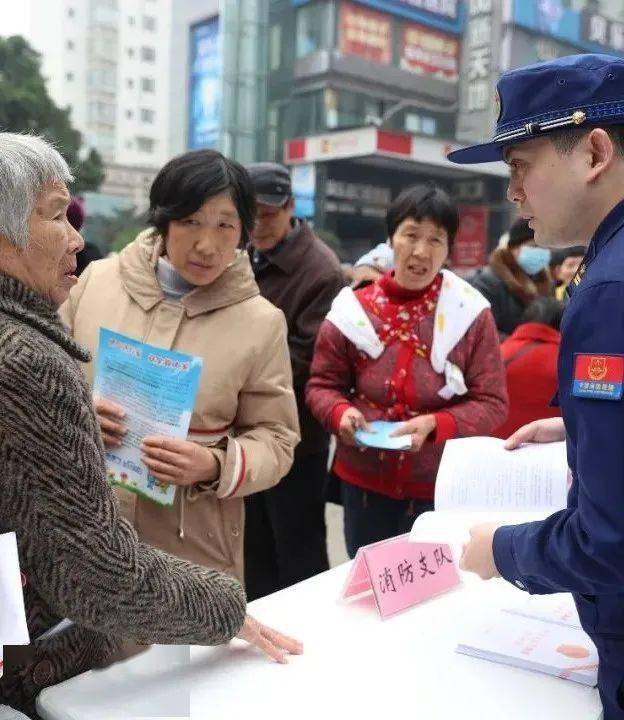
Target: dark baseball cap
point(271, 183)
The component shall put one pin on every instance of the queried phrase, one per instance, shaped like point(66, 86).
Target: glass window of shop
point(314, 28)
point(305, 114)
point(275, 47)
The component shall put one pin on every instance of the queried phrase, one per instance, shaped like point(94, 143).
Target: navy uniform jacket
point(581, 549)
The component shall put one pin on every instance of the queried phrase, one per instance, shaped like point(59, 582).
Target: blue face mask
point(533, 259)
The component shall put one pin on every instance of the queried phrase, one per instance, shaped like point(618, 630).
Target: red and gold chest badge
point(598, 376)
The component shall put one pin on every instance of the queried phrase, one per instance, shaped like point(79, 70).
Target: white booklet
point(479, 481)
point(532, 644)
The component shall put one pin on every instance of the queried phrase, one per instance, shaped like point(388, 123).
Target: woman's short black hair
point(424, 202)
point(545, 310)
point(184, 184)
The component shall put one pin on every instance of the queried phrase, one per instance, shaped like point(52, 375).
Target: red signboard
point(365, 33)
point(427, 52)
point(469, 247)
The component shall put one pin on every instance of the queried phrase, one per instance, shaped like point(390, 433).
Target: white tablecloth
point(355, 665)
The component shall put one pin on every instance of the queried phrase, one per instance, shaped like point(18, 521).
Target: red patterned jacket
point(401, 383)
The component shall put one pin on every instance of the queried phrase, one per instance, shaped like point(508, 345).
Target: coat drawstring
point(181, 513)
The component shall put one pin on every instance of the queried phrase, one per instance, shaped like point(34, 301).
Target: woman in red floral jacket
point(418, 346)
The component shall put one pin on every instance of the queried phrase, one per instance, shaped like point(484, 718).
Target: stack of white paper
point(479, 481)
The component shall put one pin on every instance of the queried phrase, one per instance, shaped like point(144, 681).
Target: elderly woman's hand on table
point(273, 643)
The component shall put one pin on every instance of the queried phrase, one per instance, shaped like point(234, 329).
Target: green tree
point(25, 106)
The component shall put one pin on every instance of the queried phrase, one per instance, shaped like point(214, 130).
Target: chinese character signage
point(597, 29)
point(427, 52)
point(365, 33)
point(469, 246)
point(479, 71)
point(205, 86)
point(585, 29)
point(400, 573)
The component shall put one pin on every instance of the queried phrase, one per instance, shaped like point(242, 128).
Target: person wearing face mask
point(419, 347)
point(514, 277)
point(186, 284)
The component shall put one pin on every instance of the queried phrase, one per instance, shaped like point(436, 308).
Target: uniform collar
point(610, 225)
point(605, 231)
point(288, 254)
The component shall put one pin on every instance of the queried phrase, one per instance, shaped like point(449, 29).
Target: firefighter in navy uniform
point(561, 131)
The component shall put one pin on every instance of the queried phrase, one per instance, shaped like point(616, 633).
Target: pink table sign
point(400, 573)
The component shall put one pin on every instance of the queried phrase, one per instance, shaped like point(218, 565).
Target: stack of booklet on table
point(541, 634)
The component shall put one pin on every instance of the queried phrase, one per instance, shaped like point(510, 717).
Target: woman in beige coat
point(185, 285)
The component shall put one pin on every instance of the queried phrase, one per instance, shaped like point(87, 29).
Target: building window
point(148, 85)
point(149, 23)
point(314, 23)
point(69, 76)
point(148, 54)
point(130, 20)
point(275, 47)
point(130, 83)
point(147, 116)
point(145, 144)
point(128, 144)
point(101, 113)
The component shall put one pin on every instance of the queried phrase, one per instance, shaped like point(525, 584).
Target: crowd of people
point(293, 354)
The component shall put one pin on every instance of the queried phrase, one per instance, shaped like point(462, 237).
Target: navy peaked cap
point(572, 91)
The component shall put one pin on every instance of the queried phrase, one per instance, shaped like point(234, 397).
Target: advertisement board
point(586, 29)
point(365, 33)
point(469, 246)
point(205, 85)
point(428, 52)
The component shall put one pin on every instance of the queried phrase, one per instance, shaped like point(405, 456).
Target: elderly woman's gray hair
point(27, 164)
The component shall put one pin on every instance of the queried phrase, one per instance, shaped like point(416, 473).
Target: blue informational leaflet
point(379, 437)
point(157, 390)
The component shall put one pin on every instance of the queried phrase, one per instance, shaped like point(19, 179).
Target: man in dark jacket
point(515, 276)
point(285, 526)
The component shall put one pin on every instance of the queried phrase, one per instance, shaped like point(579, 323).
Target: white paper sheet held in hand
point(13, 629)
point(479, 481)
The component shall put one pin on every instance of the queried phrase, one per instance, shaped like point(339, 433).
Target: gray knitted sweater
point(81, 559)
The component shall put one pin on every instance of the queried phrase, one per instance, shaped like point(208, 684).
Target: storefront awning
point(372, 142)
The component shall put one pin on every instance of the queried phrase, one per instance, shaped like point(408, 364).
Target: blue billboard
point(586, 29)
point(447, 15)
point(205, 86)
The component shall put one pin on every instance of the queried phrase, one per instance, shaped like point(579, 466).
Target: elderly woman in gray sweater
point(80, 558)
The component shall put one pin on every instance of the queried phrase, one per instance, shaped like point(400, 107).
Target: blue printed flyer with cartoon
point(157, 390)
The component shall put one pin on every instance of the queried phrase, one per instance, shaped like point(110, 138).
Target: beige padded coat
point(245, 407)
